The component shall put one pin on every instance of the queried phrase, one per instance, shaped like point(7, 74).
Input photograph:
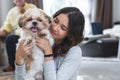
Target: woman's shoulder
point(75, 48)
point(75, 51)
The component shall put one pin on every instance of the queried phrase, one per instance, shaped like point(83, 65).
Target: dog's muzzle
point(34, 23)
point(34, 28)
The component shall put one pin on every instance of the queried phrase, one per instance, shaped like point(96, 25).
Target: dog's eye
point(29, 19)
point(40, 20)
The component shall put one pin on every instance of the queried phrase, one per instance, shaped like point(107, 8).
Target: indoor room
point(100, 58)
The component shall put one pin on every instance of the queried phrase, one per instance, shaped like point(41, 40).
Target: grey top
point(62, 68)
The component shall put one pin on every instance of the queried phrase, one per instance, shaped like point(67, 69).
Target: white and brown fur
point(34, 22)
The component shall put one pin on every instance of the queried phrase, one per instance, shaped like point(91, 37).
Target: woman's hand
point(22, 52)
point(44, 44)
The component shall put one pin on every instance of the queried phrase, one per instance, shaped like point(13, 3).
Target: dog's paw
point(28, 41)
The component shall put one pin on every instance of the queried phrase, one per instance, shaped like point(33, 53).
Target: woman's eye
point(63, 28)
point(55, 21)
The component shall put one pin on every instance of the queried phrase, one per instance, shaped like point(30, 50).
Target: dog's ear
point(49, 18)
point(20, 22)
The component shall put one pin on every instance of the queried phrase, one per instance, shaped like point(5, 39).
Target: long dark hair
point(75, 33)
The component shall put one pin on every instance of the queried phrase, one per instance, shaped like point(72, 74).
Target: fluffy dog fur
point(34, 22)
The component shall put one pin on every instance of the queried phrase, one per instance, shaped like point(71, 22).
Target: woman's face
point(59, 27)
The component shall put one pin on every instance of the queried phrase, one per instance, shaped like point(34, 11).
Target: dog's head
point(34, 20)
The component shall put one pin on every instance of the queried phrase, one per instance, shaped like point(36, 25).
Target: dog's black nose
point(34, 23)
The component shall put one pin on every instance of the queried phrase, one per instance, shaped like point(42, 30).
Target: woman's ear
point(20, 22)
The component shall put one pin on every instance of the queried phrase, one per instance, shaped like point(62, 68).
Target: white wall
point(116, 10)
point(5, 6)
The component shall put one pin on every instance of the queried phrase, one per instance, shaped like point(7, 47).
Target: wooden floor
point(6, 75)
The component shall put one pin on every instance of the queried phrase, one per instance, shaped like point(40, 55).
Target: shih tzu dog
point(34, 22)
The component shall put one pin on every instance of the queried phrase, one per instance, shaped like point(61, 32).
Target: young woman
point(62, 61)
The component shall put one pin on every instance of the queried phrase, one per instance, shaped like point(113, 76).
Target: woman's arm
point(20, 72)
point(21, 53)
point(44, 44)
point(68, 68)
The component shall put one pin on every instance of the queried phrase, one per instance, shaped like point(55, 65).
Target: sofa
point(99, 45)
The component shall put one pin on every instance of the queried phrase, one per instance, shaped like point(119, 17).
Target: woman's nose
point(56, 27)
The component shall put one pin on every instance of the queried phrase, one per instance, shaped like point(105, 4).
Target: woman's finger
point(28, 48)
point(22, 41)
